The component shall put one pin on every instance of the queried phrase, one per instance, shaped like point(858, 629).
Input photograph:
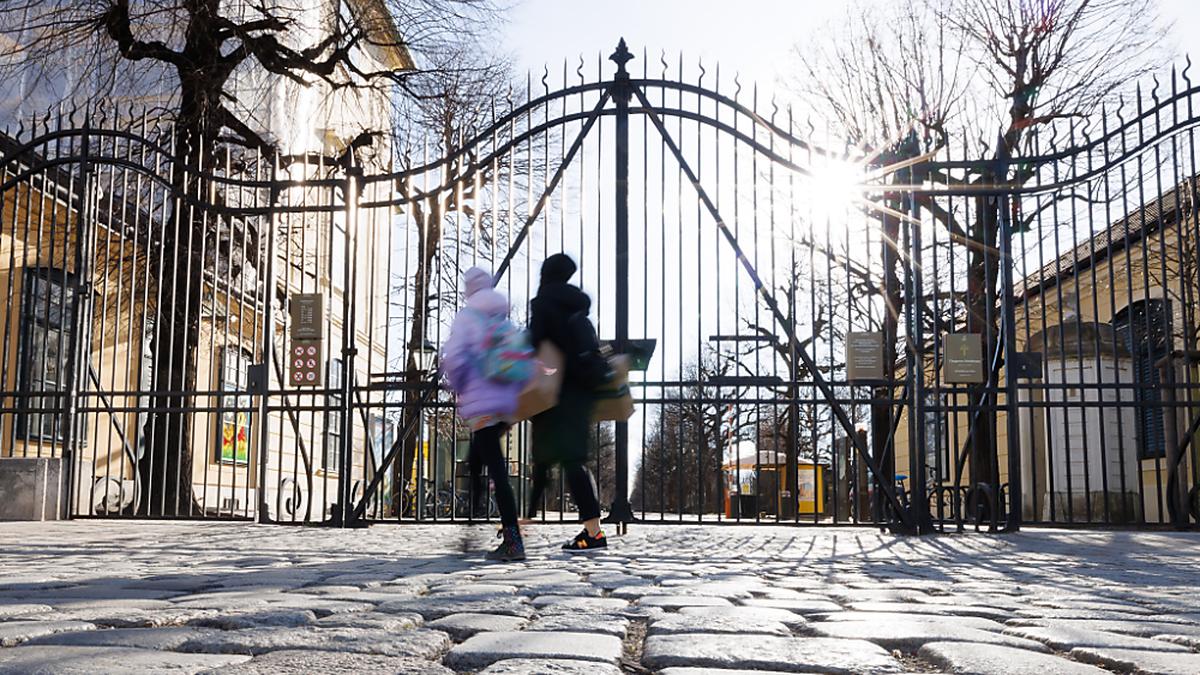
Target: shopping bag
point(614, 401)
point(541, 393)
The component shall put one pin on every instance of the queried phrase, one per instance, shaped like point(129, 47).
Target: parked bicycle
point(444, 504)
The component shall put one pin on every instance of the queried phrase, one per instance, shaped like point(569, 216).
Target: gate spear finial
point(621, 57)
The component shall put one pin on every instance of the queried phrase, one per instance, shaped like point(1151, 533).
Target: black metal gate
point(786, 288)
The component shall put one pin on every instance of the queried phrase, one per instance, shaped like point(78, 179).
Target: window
point(1145, 328)
point(333, 418)
point(234, 404)
point(47, 339)
point(337, 245)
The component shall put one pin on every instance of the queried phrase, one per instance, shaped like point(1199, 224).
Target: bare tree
point(456, 102)
point(194, 52)
point(681, 466)
point(976, 78)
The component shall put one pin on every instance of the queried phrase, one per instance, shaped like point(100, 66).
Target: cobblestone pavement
point(120, 597)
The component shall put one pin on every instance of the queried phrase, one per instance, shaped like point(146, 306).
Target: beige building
point(1115, 320)
point(48, 274)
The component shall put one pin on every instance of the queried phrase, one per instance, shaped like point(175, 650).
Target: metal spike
point(1186, 68)
point(703, 72)
point(663, 60)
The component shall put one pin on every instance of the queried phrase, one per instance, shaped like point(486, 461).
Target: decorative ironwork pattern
point(723, 228)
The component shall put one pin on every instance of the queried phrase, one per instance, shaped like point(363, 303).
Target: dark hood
point(558, 269)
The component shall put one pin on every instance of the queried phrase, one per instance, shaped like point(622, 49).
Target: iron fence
point(162, 342)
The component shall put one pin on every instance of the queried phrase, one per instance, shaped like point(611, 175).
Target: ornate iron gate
point(712, 225)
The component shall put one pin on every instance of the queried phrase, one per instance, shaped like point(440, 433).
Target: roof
point(1153, 216)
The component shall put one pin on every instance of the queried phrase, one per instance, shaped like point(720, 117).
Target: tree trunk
point(983, 318)
point(883, 449)
point(165, 469)
point(428, 238)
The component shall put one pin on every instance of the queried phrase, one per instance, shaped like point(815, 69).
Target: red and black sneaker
point(582, 543)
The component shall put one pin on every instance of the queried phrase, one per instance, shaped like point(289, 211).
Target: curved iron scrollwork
point(289, 499)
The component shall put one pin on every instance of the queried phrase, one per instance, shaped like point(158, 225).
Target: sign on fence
point(306, 356)
point(864, 357)
point(963, 362)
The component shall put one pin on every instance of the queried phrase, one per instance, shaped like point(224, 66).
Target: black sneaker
point(582, 543)
point(512, 548)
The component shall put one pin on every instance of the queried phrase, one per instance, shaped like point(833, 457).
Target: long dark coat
point(560, 435)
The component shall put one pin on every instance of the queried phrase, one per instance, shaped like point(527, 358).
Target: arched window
point(1145, 328)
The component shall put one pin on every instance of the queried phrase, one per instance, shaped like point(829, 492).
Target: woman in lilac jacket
point(486, 405)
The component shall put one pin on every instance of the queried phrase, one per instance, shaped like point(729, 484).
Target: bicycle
point(434, 504)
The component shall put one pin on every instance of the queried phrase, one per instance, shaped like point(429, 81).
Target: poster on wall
point(806, 484)
point(235, 437)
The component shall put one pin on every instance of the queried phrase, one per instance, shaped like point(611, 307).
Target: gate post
point(79, 356)
point(262, 380)
point(343, 514)
point(918, 502)
point(1008, 316)
point(622, 91)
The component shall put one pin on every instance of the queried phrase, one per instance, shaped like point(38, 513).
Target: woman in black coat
point(559, 313)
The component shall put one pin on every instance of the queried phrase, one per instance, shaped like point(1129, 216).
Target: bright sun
point(833, 190)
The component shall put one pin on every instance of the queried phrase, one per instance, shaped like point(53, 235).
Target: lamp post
point(426, 357)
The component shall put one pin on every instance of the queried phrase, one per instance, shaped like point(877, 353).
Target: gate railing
point(162, 374)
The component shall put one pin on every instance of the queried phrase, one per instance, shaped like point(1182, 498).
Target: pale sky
point(754, 37)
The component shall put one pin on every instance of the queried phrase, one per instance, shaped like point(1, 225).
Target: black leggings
point(485, 450)
point(579, 481)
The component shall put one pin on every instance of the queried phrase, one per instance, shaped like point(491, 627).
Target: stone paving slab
point(1190, 641)
point(970, 658)
point(13, 633)
point(310, 662)
point(786, 617)
point(604, 624)
point(677, 624)
point(800, 606)
point(462, 626)
point(418, 642)
point(766, 652)
point(257, 618)
point(434, 608)
point(549, 667)
point(671, 602)
point(60, 660)
point(1064, 639)
point(720, 671)
point(562, 603)
point(937, 610)
point(9, 611)
point(1141, 661)
point(1095, 614)
point(120, 617)
point(910, 636)
point(487, 648)
point(373, 589)
point(896, 617)
point(392, 623)
point(1138, 628)
point(165, 639)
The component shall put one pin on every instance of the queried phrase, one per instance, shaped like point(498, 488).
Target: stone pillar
point(31, 488)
